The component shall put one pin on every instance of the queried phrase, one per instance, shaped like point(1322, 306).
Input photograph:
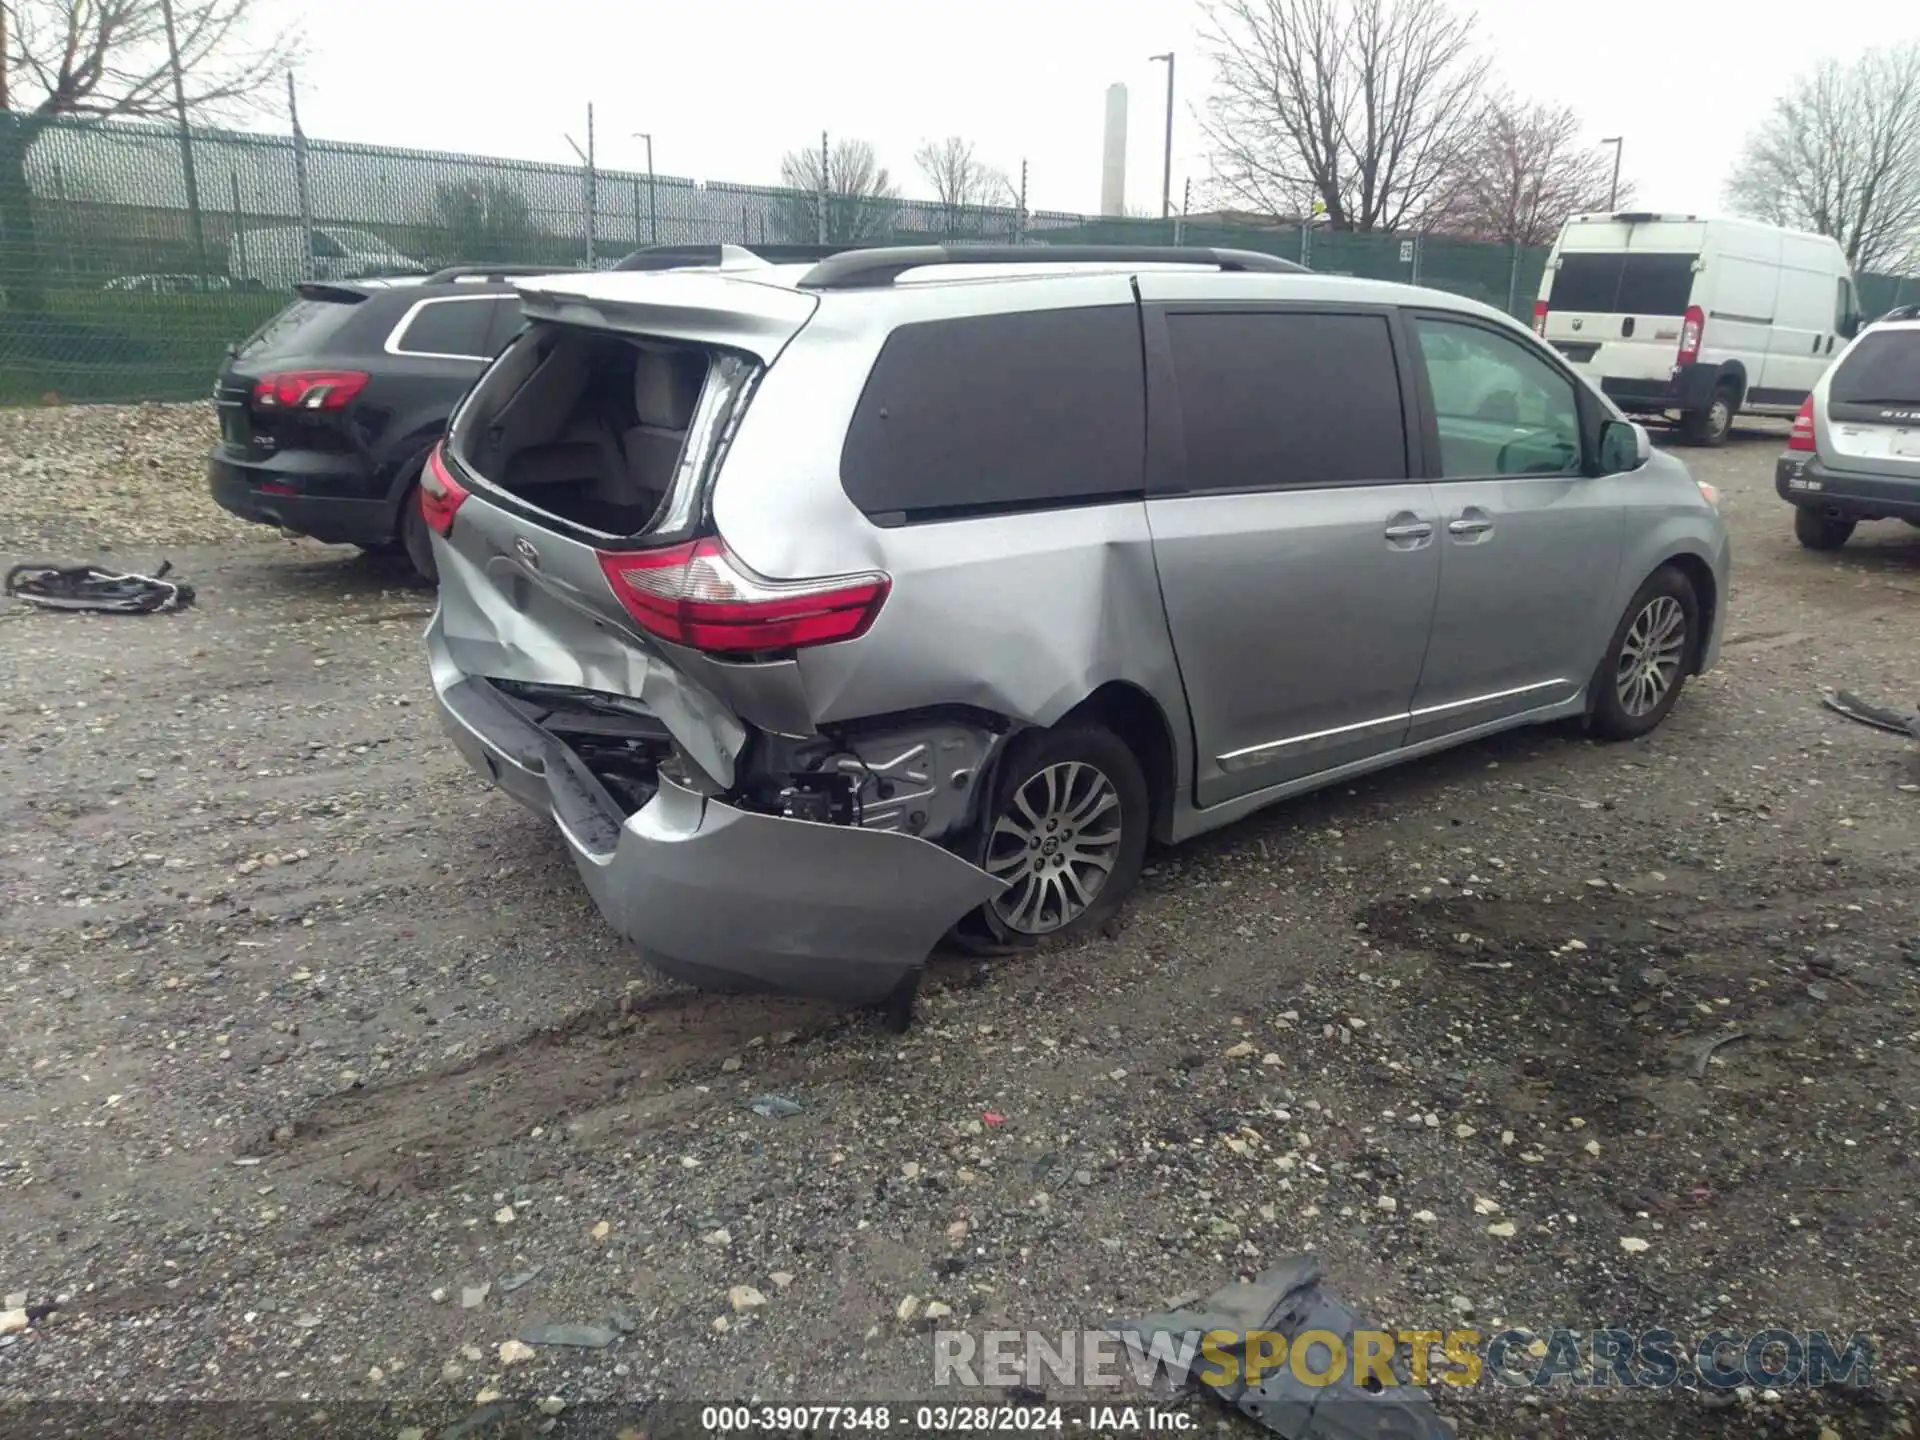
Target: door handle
point(1468, 527)
point(1816, 344)
point(1419, 530)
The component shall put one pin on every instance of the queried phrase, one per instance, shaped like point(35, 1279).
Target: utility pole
point(822, 216)
point(1166, 172)
point(1618, 142)
point(586, 159)
point(300, 180)
point(1186, 204)
point(1020, 220)
point(186, 138)
point(653, 215)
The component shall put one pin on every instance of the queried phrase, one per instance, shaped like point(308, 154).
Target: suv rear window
point(1622, 283)
point(458, 325)
point(1000, 412)
point(303, 328)
point(1883, 369)
point(1287, 399)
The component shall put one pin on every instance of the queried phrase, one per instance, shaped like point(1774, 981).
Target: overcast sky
point(726, 87)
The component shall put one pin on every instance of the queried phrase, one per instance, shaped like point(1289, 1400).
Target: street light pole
point(1613, 190)
point(186, 140)
point(1166, 172)
point(653, 216)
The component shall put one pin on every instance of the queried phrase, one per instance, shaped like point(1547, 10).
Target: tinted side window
point(449, 327)
point(1273, 400)
point(1883, 369)
point(999, 412)
point(1500, 408)
point(507, 320)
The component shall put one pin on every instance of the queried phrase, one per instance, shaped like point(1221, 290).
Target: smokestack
point(1113, 162)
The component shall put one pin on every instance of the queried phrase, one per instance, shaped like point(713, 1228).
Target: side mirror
point(1624, 446)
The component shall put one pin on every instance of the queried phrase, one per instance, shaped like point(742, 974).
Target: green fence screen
point(124, 280)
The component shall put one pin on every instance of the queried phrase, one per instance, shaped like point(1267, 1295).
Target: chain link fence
point(131, 256)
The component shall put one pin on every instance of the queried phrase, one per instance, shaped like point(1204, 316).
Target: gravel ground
point(311, 1040)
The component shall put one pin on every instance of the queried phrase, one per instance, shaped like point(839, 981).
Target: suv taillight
point(698, 595)
point(308, 389)
point(1540, 318)
point(1693, 329)
point(1801, 436)
point(440, 494)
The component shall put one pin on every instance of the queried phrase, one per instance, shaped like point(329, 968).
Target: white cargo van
point(1675, 315)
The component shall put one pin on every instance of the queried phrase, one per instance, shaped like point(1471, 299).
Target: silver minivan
point(830, 610)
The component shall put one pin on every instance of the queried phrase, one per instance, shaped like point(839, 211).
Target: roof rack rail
point(860, 269)
point(449, 273)
point(676, 257)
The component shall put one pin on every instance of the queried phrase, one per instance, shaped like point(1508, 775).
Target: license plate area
point(1906, 443)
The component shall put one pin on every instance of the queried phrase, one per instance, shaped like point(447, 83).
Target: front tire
point(1819, 531)
point(1710, 426)
point(1650, 658)
point(1067, 831)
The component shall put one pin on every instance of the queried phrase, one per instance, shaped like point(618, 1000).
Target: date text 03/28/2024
point(943, 1419)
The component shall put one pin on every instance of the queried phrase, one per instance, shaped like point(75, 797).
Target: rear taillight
point(698, 595)
point(440, 494)
point(308, 389)
point(1801, 436)
point(1540, 318)
point(1692, 330)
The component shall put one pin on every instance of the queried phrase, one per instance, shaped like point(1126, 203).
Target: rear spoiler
point(339, 292)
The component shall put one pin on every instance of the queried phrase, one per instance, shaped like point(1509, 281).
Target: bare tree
point(1841, 155)
point(1363, 107)
point(108, 58)
point(964, 187)
point(861, 201)
point(1526, 169)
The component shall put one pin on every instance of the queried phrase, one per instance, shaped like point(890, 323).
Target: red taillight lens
point(440, 494)
point(1692, 330)
point(698, 595)
point(1540, 318)
point(308, 389)
point(1801, 436)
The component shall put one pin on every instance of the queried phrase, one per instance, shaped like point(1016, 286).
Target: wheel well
point(1701, 578)
point(1130, 713)
point(1734, 374)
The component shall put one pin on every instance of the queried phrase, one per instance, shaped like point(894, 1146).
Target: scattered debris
point(87, 587)
point(514, 1352)
point(1634, 1245)
point(1292, 1299)
point(745, 1298)
point(773, 1107)
point(1706, 1051)
point(472, 1297)
point(524, 1278)
point(582, 1337)
point(1846, 703)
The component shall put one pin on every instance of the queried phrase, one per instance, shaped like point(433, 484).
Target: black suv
point(327, 411)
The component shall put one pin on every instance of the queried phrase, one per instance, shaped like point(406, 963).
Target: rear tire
point(1818, 531)
point(1067, 830)
point(1650, 658)
point(415, 538)
point(1711, 426)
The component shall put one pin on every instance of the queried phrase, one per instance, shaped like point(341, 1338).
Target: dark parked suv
point(327, 411)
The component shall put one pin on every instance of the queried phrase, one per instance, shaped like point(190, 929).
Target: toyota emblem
point(525, 549)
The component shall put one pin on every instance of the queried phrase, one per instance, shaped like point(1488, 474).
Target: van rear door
point(1616, 299)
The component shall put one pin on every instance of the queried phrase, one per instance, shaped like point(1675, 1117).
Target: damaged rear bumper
point(718, 896)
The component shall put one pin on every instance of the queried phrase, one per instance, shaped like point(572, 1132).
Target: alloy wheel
point(1650, 656)
point(1054, 847)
